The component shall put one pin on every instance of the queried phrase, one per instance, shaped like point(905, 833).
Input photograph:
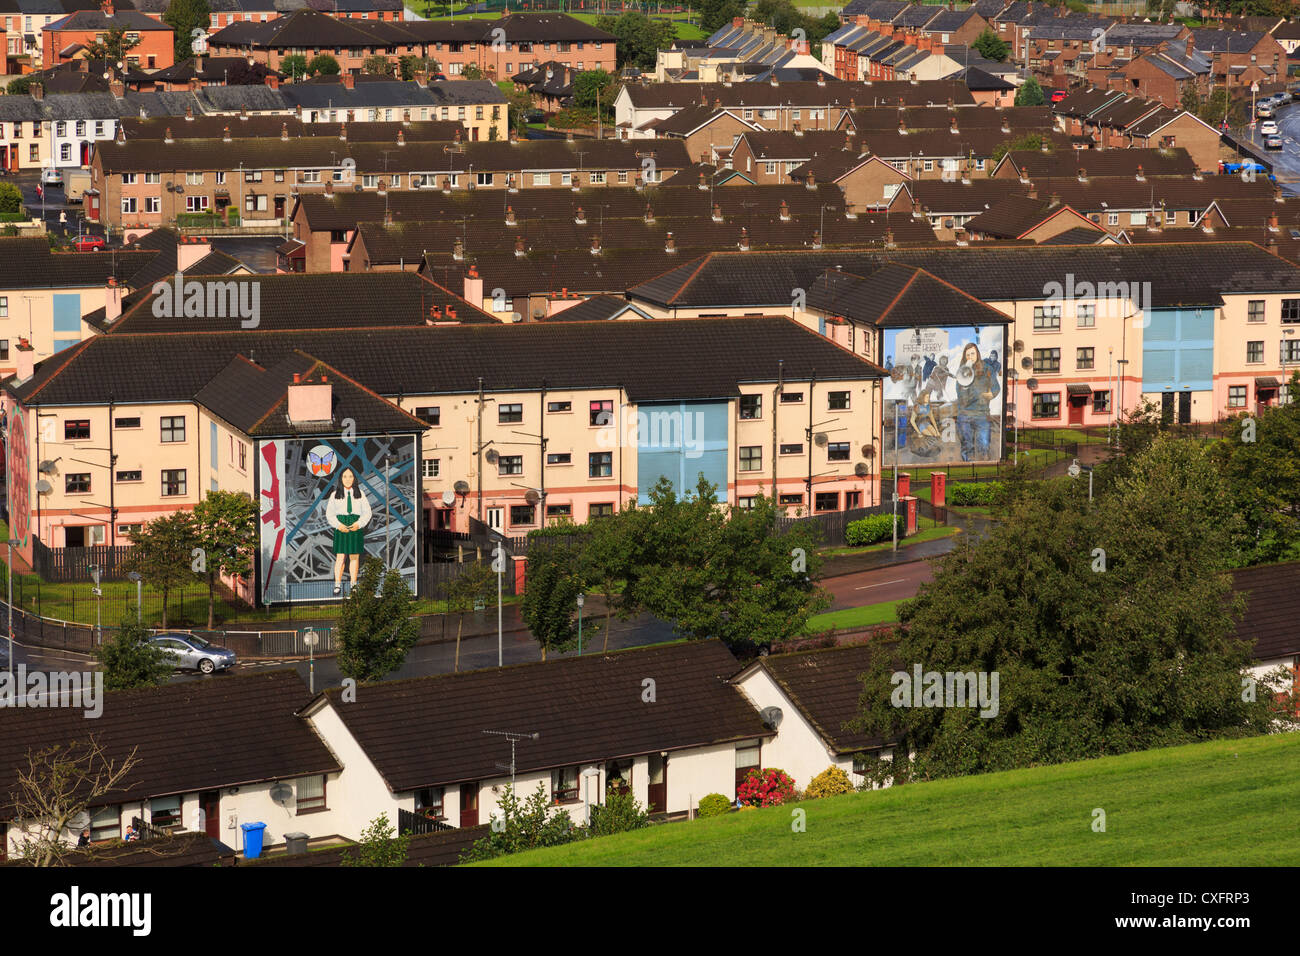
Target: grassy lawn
point(1198, 805)
point(855, 617)
point(685, 31)
point(929, 534)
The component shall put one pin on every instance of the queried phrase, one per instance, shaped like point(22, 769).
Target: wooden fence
point(74, 564)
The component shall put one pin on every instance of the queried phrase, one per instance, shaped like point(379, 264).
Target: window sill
point(309, 810)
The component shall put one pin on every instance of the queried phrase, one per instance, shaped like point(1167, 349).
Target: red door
point(657, 790)
point(469, 805)
point(210, 802)
point(1077, 403)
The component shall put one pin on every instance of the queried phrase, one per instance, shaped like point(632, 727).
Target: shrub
point(977, 493)
point(831, 782)
point(869, 530)
point(618, 814)
point(714, 805)
point(766, 788)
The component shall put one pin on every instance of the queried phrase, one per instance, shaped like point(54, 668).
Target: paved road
point(875, 587)
point(1286, 161)
point(55, 202)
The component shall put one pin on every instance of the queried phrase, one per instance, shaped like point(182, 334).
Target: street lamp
point(139, 584)
point(582, 599)
point(1075, 470)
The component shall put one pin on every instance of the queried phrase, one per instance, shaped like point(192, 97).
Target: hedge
point(977, 493)
point(714, 805)
point(870, 529)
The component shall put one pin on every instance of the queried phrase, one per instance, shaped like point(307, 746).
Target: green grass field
point(1226, 803)
point(854, 617)
point(929, 534)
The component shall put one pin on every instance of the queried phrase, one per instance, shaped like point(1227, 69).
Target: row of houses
point(740, 50)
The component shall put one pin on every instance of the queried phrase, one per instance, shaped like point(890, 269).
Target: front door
point(210, 803)
point(279, 207)
point(1184, 408)
point(469, 804)
point(1077, 403)
point(1167, 408)
point(657, 791)
point(494, 518)
point(74, 536)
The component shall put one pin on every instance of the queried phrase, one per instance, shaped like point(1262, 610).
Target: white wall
point(696, 773)
point(797, 748)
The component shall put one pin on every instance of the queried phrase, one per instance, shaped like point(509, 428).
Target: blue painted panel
point(213, 443)
point(681, 440)
point(61, 344)
point(1178, 350)
point(67, 314)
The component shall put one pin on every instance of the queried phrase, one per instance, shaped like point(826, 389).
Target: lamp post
point(1074, 471)
point(99, 593)
point(1119, 416)
point(311, 638)
point(139, 584)
point(896, 404)
point(582, 599)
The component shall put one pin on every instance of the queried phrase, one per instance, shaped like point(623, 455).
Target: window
point(1112, 219)
point(1047, 405)
point(541, 179)
point(152, 179)
point(523, 514)
point(173, 428)
point(4, 306)
point(1083, 358)
point(128, 204)
point(1086, 316)
point(1291, 310)
point(279, 175)
point(34, 153)
point(1047, 361)
point(165, 811)
point(65, 153)
point(196, 203)
point(790, 500)
point(77, 484)
point(1236, 396)
point(255, 202)
point(791, 398)
point(1255, 310)
point(601, 412)
point(837, 451)
point(598, 178)
point(751, 407)
point(75, 430)
point(153, 204)
point(1047, 318)
point(558, 513)
point(1254, 352)
point(564, 785)
point(838, 401)
point(60, 129)
point(510, 465)
point(827, 501)
point(430, 414)
point(559, 458)
point(745, 503)
point(311, 175)
point(194, 179)
point(127, 476)
point(485, 179)
point(600, 464)
point(1101, 401)
point(747, 759)
point(430, 467)
point(622, 173)
point(751, 458)
point(126, 423)
point(428, 802)
point(559, 406)
point(252, 175)
point(603, 510)
point(795, 449)
point(310, 795)
point(106, 824)
point(510, 414)
point(1290, 353)
point(566, 179)
point(4, 349)
point(173, 482)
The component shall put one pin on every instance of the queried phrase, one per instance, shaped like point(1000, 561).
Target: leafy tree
point(243, 73)
point(11, 198)
point(1030, 93)
point(551, 595)
point(473, 582)
point(378, 64)
point(163, 553)
point(471, 72)
point(640, 38)
point(619, 814)
point(1028, 141)
point(226, 525)
point(129, 660)
point(595, 86)
point(376, 625)
point(20, 86)
point(992, 47)
point(716, 13)
point(184, 17)
point(518, 103)
point(113, 46)
point(1161, 10)
point(322, 64)
point(410, 65)
point(1110, 626)
point(379, 846)
point(1191, 100)
point(523, 825)
point(606, 555)
point(294, 66)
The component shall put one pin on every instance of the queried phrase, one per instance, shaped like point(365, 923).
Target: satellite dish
point(820, 439)
point(532, 496)
point(868, 451)
point(1019, 346)
point(1026, 362)
point(771, 717)
point(43, 487)
point(46, 467)
point(862, 469)
point(516, 317)
point(462, 487)
point(1032, 383)
point(281, 794)
point(492, 456)
point(449, 497)
point(1012, 374)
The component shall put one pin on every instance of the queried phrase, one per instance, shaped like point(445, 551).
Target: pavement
point(1286, 161)
point(54, 203)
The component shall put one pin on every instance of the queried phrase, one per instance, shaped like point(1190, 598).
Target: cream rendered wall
point(30, 315)
point(797, 748)
point(361, 793)
point(698, 772)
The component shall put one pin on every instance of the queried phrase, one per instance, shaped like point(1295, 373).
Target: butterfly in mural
point(321, 461)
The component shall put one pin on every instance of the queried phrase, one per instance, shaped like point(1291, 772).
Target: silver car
point(191, 652)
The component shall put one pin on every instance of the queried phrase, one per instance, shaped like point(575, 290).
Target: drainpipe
point(619, 442)
point(541, 437)
point(776, 402)
point(112, 459)
point(478, 453)
point(812, 382)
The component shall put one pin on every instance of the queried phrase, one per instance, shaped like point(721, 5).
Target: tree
point(1191, 100)
point(184, 17)
point(523, 825)
point(19, 87)
point(378, 846)
point(243, 73)
point(606, 556)
point(11, 198)
point(618, 814)
point(1030, 93)
point(518, 104)
point(322, 64)
point(716, 13)
point(163, 553)
point(411, 65)
point(378, 64)
point(225, 523)
point(639, 38)
point(113, 46)
point(471, 72)
point(129, 660)
point(376, 625)
point(992, 47)
point(1028, 141)
point(473, 583)
point(551, 597)
point(592, 87)
point(54, 790)
point(1109, 625)
point(294, 66)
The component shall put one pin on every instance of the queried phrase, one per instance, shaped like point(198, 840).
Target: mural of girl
point(347, 511)
point(974, 419)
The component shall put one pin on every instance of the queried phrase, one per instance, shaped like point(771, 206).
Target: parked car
point(88, 243)
point(191, 652)
point(1268, 128)
point(51, 177)
point(1273, 142)
point(1058, 95)
point(1264, 111)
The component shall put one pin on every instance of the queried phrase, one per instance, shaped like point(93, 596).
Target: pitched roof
point(832, 93)
point(899, 295)
point(1102, 162)
point(30, 264)
point(584, 709)
point(1014, 216)
point(237, 731)
point(1272, 604)
point(179, 849)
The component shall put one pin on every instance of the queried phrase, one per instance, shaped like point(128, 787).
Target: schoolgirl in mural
point(976, 388)
point(347, 512)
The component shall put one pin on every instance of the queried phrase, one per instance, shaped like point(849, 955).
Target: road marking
point(867, 587)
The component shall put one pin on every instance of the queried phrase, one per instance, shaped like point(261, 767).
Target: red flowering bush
point(765, 788)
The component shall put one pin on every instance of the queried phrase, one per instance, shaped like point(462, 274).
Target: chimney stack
point(26, 360)
point(520, 250)
point(225, 134)
point(510, 216)
point(311, 401)
point(595, 245)
point(458, 250)
point(167, 135)
point(670, 246)
point(717, 213)
point(580, 217)
point(785, 211)
point(744, 239)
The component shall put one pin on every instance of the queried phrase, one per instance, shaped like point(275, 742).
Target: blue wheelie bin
point(252, 839)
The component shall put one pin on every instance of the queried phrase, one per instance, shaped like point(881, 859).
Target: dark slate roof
point(1179, 274)
point(833, 93)
point(97, 20)
point(1012, 217)
point(1017, 119)
point(29, 264)
point(179, 849)
point(983, 81)
point(1227, 41)
point(826, 686)
point(1272, 606)
point(667, 359)
point(900, 296)
point(1103, 162)
point(1078, 236)
point(254, 126)
point(585, 709)
point(599, 308)
point(441, 848)
point(237, 731)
